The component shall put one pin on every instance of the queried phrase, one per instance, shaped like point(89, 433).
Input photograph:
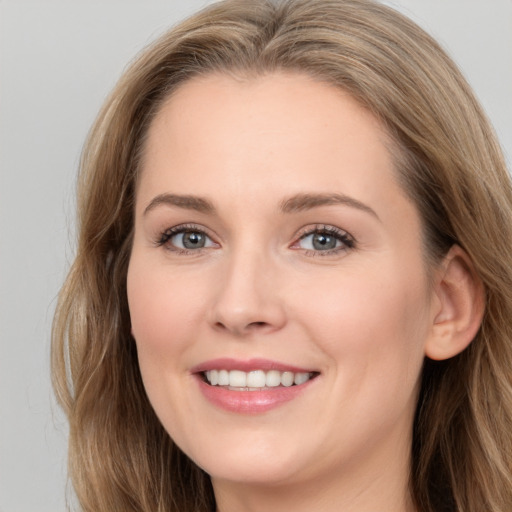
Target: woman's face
point(276, 255)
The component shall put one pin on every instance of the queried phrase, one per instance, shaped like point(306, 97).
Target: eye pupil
point(193, 240)
point(321, 241)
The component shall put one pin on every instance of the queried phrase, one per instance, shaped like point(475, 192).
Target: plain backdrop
point(58, 60)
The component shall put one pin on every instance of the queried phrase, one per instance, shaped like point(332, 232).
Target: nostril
point(252, 326)
point(257, 324)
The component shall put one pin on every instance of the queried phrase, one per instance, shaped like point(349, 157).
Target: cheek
point(361, 306)
point(164, 310)
point(373, 325)
point(375, 341)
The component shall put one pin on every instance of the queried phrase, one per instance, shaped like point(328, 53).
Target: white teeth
point(300, 378)
point(214, 377)
point(223, 378)
point(273, 379)
point(287, 379)
point(256, 379)
point(237, 379)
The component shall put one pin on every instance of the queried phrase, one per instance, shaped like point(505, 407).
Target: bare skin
point(270, 225)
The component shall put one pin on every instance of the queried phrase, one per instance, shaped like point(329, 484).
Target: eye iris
point(193, 240)
point(322, 241)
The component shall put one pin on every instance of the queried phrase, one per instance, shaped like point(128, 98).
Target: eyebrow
point(187, 202)
point(296, 203)
point(301, 202)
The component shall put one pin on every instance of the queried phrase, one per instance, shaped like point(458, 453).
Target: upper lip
point(247, 365)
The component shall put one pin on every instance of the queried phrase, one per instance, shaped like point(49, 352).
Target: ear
point(458, 308)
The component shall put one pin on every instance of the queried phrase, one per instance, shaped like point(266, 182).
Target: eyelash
point(166, 236)
point(347, 241)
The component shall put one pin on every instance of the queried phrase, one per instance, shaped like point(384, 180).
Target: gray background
point(58, 60)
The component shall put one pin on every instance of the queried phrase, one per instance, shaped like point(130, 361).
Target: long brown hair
point(449, 162)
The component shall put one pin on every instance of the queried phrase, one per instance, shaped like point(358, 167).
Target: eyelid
point(163, 238)
point(321, 228)
point(348, 241)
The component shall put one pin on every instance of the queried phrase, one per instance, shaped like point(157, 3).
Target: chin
point(254, 473)
point(259, 465)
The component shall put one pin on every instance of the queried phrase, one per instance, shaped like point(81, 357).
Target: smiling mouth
point(256, 380)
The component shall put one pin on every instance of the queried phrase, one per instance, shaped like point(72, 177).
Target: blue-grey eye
point(323, 240)
point(190, 240)
point(319, 242)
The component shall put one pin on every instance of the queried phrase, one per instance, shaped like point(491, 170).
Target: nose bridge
point(248, 298)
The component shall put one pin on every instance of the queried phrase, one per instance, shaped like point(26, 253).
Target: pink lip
point(249, 365)
point(248, 402)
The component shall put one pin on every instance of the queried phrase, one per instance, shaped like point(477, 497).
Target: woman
point(292, 281)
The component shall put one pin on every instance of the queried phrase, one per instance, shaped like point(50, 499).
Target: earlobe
point(460, 304)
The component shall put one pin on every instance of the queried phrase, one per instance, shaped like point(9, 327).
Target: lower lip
point(250, 402)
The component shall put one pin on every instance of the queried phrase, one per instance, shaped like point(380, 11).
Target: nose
point(248, 298)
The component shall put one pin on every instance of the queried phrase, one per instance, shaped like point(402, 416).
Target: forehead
point(282, 122)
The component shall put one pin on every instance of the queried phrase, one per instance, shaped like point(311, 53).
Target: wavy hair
point(449, 163)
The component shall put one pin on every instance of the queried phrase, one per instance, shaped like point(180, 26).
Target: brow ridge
point(296, 203)
point(187, 202)
point(307, 201)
